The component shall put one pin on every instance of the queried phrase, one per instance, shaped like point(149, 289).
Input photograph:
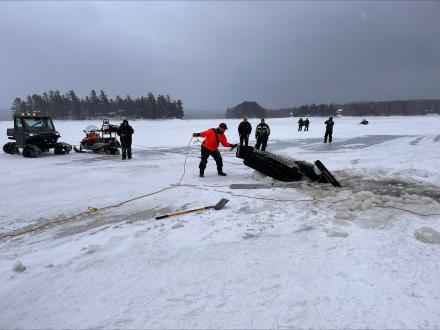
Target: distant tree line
point(70, 106)
point(385, 108)
point(392, 108)
point(323, 110)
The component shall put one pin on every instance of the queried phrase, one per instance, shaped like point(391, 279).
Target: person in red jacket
point(213, 137)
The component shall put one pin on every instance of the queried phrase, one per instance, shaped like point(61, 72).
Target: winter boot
point(221, 173)
point(202, 173)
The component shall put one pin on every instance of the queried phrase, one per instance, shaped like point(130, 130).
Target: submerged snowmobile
point(285, 169)
point(103, 141)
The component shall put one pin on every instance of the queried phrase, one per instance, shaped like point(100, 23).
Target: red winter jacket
point(210, 142)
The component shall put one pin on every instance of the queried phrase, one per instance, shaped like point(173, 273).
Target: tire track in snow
point(417, 140)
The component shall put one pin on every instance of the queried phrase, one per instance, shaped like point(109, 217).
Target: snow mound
point(18, 267)
point(92, 248)
point(177, 225)
point(335, 232)
point(258, 176)
point(427, 235)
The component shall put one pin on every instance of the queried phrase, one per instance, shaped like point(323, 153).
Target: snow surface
point(322, 258)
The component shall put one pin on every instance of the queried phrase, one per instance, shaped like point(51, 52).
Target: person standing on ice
point(300, 124)
point(125, 132)
point(306, 124)
point(328, 130)
point(213, 137)
point(262, 133)
point(244, 130)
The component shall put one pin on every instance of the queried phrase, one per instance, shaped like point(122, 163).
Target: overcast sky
point(214, 55)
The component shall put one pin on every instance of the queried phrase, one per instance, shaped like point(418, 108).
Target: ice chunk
point(344, 215)
point(335, 232)
point(427, 235)
point(177, 226)
point(92, 248)
point(19, 267)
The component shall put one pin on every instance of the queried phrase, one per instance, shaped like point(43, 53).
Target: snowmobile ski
point(78, 150)
point(326, 173)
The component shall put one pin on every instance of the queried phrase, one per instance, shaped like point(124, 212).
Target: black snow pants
point(215, 154)
point(245, 138)
point(328, 134)
point(126, 146)
point(126, 153)
point(262, 141)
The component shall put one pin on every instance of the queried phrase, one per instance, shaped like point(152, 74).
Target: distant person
point(306, 124)
point(328, 130)
point(213, 137)
point(300, 124)
point(125, 133)
point(262, 133)
point(244, 130)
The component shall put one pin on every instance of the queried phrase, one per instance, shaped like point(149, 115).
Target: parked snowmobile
point(285, 169)
point(103, 141)
point(35, 134)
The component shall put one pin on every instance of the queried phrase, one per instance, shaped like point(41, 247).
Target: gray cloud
point(216, 54)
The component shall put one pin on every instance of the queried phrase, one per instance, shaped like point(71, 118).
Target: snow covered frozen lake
point(313, 256)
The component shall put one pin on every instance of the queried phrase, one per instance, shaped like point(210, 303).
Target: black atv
point(34, 134)
point(102, 141)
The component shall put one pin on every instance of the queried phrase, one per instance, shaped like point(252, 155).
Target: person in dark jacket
point(125, 133)
point(300, 124)
point(306, 124)
point(262, 133)
point(244, 130)
point(328, 130)
point(213, 137)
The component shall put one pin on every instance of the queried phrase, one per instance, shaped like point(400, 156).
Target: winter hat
point(223, 125)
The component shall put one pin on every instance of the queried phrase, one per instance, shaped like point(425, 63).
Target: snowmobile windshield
point(39, 123)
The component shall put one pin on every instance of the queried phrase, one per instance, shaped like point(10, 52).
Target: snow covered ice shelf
point(349, 259)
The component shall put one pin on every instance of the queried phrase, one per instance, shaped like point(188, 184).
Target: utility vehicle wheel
point(58, 150)
point(67, 148)
point(62, 148)
point(11, 148)
point(30, 151)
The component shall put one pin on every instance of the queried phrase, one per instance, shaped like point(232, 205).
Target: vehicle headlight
point(57, 133)
point(31, 134)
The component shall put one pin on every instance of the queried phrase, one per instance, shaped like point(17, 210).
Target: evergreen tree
point(75, 105)
point(151, 106)
point(161, 106)
point(104, 103)
point(179, 109)
point(94, 104)
point(18, 106)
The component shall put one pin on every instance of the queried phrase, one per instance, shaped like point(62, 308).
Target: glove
point(196, 134)
point(233, 146)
